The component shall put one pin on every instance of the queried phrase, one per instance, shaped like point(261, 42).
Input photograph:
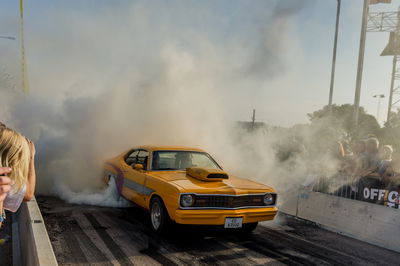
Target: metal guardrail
point(370, 189)
point(337, 185)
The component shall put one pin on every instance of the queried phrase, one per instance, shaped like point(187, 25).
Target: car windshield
point(180, 160)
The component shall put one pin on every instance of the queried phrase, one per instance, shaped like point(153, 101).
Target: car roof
point(168, 148)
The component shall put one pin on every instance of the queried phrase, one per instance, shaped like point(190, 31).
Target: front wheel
point(158, 216)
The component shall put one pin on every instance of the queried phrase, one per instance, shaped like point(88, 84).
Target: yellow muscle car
point(187, 186)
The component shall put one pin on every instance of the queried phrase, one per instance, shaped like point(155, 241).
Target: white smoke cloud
point(108, 197)
point(106, 79)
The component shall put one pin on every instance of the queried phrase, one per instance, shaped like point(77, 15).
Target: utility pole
point(334, 56)
point(24, 70)
point(360, 63)
point(253, 119)
point(390, 105)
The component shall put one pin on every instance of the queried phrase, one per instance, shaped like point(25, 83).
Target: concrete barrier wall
point(35, 246)
point(372, 223)
point(290, 204)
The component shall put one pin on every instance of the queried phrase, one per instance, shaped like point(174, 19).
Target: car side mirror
point(138, 166)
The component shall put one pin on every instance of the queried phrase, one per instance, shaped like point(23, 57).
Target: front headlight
point(187, 200)
point(269, 199)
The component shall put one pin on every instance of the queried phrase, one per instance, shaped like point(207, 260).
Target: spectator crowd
point(365, 166)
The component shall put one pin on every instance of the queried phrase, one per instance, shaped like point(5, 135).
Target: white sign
point(390, 197)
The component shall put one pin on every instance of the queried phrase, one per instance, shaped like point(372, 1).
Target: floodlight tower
point(364, 29)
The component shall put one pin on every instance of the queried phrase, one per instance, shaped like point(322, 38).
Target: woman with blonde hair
point(5, 181)
point(17, 153)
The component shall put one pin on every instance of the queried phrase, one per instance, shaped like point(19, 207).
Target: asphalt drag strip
point(88, 235)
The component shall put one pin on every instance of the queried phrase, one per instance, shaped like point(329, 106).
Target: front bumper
point(217, 217)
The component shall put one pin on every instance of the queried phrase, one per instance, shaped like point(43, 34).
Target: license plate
point(233, 222)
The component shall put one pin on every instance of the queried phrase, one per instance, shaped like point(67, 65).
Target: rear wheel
point(107, 177)
point(158, 216)
point(112, 187)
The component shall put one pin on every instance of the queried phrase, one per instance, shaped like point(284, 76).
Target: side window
point(163, 160)
point(142, 158)
point(132, 158)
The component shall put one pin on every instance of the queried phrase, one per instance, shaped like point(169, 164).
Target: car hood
point(233, 185)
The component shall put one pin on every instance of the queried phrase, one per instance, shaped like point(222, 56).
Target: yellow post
point(24, 70)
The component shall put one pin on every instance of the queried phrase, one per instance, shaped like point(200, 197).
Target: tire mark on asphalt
point(77, 255)
point(254, 257)
point(271, 252)
point(181, 249)
point(112, 246)
point(222, 242)
point(272, 248)
point(129, 237)
point(135, 231)
point(303, 246)
point(92, 253)
point(152, 252)
point(316, 251)
point(96, 250)
point(150, 245)
point(356, 249)
point(211, 251)
point(228, 259)
point(297, 250)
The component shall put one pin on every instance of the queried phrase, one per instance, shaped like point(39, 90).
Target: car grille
point(229, 202)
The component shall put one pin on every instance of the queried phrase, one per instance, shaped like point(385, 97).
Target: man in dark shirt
point(370, 163)
point(370, 159)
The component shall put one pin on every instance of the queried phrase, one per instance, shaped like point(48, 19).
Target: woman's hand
point(32, 148)
point(5, 182)
point(31, 182)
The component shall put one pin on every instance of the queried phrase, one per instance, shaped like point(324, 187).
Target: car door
point(134, 183)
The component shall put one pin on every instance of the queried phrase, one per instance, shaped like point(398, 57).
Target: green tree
point(391, 132)
point(340, 121)
point(394, 120)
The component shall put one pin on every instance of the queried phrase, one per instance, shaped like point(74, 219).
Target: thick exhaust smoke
point(107, 78)
point(107, 197)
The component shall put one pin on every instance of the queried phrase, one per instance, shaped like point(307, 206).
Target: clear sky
point(282, 48)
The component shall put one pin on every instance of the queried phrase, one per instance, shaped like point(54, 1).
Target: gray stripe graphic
point(141, 189)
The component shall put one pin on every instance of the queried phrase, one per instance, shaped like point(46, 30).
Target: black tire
point(111, 182)
point(248, 228)
point(159, 218)
point(107, 177)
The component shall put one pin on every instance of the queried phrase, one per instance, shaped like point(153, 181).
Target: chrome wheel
point(156, 215)
point(159, 216)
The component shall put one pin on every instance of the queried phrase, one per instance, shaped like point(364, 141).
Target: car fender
point(168, 193)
